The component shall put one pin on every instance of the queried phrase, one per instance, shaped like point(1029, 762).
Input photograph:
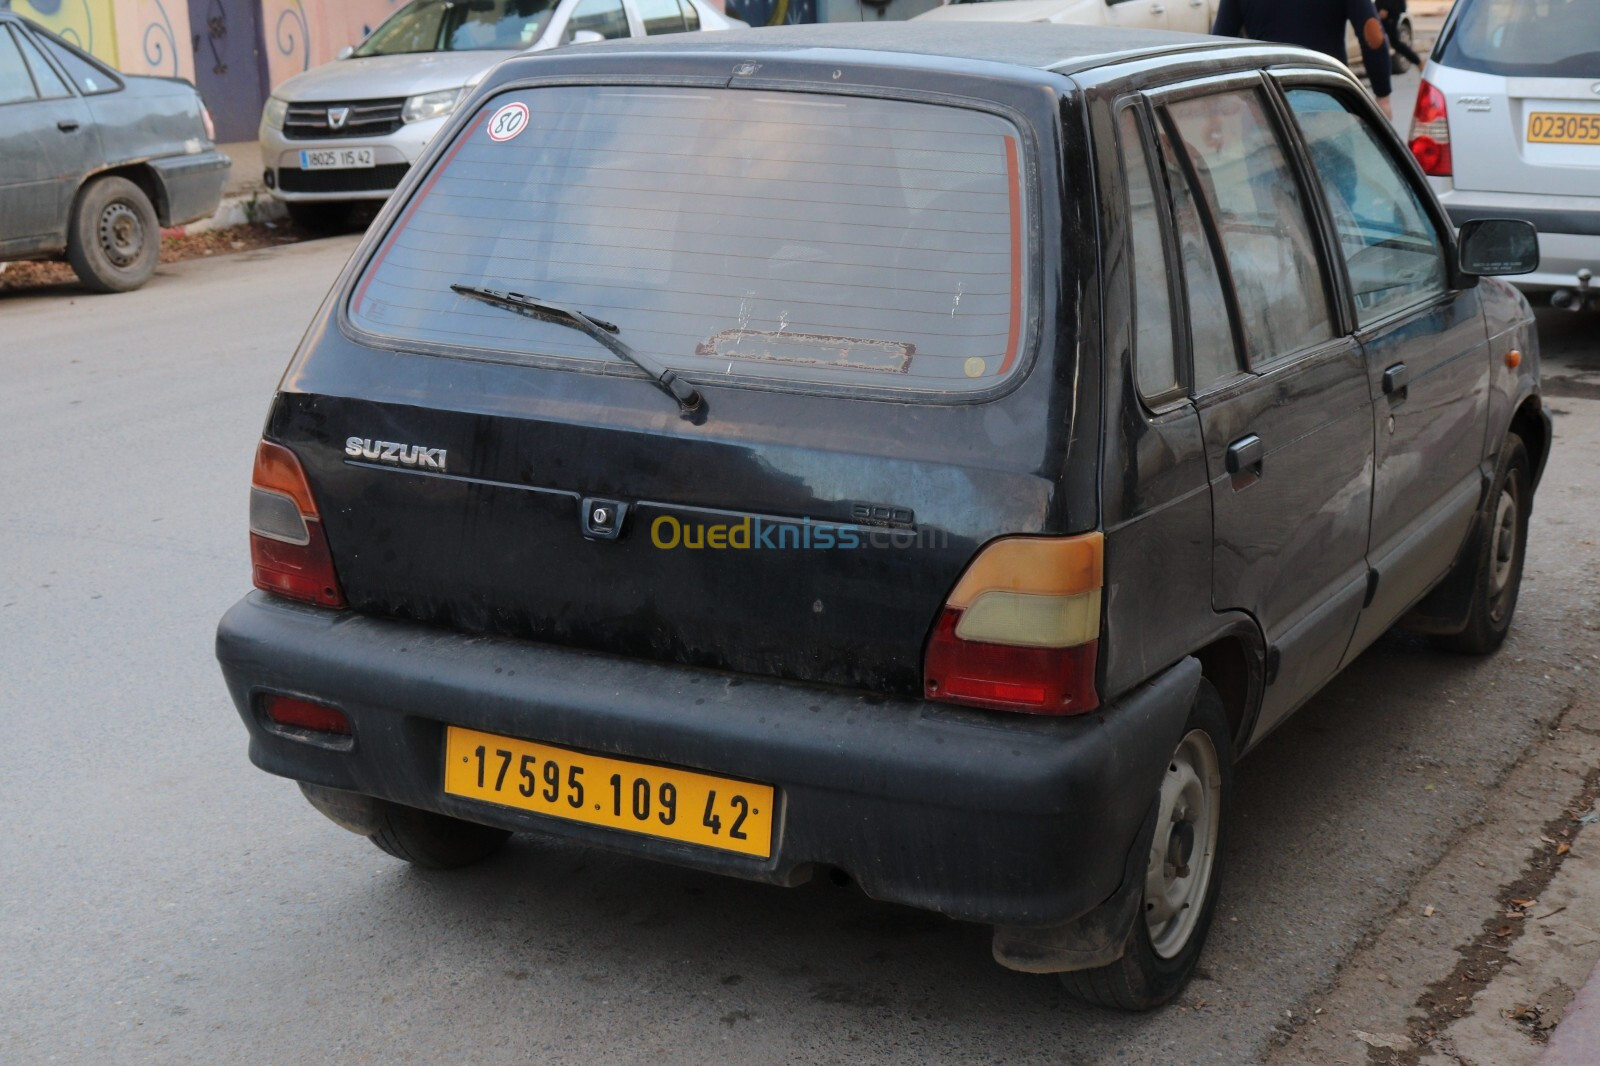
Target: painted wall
point(301, 34)
point(136, 36)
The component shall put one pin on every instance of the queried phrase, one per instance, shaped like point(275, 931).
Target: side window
point(1154, 357)
point(15, 84)
point(691, 16)
point(1254, 199)
point(1392, 251)
point(51, 87)
point(604, 17)
point(660, 16)
point(90, 78)
point(1210, 331)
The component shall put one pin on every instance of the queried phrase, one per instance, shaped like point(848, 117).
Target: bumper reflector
point(303, 714)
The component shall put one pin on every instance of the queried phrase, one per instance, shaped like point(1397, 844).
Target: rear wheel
point(1497, 565)
point(1183, 871)
point(114, 239)
point(434, 841)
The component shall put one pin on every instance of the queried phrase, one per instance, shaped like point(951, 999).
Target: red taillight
point(1021, 630)
point(303, 714)
point(1004, 677)
point(1430, 132)
point(288, 552)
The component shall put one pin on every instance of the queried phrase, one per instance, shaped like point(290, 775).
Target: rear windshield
point(750, 236)
point(1527, 38)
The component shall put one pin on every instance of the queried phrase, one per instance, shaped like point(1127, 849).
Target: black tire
point(1502, 544)
point(434, 841)
point(114, 238)
point(1145, 977)
point(319, 217)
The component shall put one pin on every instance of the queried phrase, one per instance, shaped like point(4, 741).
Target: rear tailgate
point(1535, 136)
point(1521, 80)
point(853, 283)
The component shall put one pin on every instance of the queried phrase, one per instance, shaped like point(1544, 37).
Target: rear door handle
point(67, 125)
point(1395, 380)
point(1245, 455)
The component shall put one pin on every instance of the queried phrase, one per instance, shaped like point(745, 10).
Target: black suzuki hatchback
point(929, 453)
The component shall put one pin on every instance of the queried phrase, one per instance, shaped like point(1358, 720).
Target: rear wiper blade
point(690, 402)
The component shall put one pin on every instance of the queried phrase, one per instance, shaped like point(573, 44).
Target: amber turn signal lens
point(289, 553)
point(1021, 629)
point(1513, 359)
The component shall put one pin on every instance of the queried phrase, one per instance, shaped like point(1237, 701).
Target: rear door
point(1139, 14)
point(47, 143)
point(1425, 347)
point(1281, 387)
point(1191, 16)
point(1521, 92)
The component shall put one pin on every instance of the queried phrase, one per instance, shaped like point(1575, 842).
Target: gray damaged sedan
point(93, 163)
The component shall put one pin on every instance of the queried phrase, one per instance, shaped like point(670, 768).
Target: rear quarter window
point(755, 237)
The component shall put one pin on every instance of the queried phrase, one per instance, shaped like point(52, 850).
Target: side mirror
point(586, 37)
point(346, 52)
point(1490, 246)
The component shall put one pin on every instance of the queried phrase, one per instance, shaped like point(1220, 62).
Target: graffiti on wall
point(153, 37)
point(86, 23)
point(135, 36)
point(301, 34)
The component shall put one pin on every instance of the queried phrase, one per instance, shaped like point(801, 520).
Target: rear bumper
point(1005, 819)
point(192, 185)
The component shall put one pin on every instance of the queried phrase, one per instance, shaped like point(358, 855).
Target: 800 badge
point(507, 122)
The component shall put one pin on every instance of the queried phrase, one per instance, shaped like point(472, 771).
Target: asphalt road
point(160, 899)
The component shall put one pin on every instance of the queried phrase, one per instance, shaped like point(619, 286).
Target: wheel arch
point(1532, 424)
point(141, 174)
point(1234, 663)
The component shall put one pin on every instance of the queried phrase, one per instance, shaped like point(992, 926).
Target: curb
point(1576, 1040)
point(234, 211)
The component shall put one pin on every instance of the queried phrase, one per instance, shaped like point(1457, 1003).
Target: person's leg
point(1391, 28)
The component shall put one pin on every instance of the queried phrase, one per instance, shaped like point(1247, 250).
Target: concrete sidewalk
point(1576, 1041)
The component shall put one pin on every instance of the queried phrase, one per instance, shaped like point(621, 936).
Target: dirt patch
point(174, 249)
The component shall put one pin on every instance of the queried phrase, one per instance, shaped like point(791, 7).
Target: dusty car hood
point(387, 76)
point(1076, 12)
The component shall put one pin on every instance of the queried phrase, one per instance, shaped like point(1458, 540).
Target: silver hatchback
point(1507, 124)
point(349, 130)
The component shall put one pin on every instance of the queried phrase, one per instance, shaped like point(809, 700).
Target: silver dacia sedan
point(349, 130)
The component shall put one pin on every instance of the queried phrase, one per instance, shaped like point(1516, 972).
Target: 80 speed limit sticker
point(507, 122)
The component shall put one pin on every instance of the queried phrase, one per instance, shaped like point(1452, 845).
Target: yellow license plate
point(1556, 127)
point(695, 808)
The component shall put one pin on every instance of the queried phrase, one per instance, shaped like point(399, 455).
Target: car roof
point(1036, 46)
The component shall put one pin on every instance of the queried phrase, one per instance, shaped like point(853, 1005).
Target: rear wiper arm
point(690, 402)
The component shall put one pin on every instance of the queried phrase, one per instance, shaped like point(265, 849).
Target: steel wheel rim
point(121, 233)
point(1503, 545)
point(1183, 853)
